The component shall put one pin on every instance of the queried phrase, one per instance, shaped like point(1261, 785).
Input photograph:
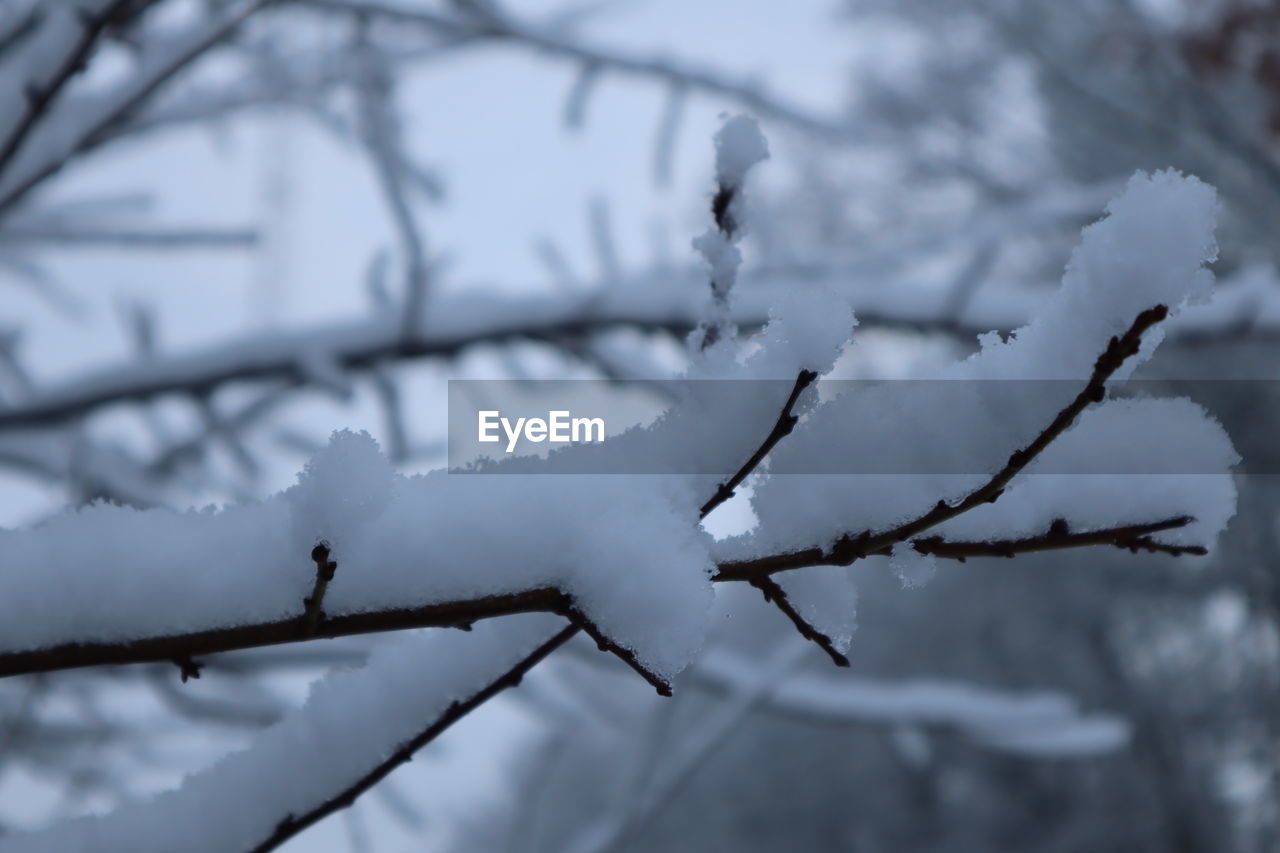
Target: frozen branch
point(502, 27)
point(459, 614)
point(50, 146)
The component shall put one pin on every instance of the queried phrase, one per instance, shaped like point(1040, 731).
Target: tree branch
point(1131, 537)
point(461, 613)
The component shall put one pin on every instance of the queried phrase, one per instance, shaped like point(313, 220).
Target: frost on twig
point(739, 146)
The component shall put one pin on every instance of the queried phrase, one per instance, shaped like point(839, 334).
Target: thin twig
point(1132, 538)
point(605, 644)
point(777, 596)
point(138, 92)
point(786, 423)
point(293, 824)
point(501, 27)
point(453, 614)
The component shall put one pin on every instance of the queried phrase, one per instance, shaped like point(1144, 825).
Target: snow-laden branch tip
point(739, 147)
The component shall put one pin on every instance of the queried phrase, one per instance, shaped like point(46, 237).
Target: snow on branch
point(739, 147)
point(625, 558)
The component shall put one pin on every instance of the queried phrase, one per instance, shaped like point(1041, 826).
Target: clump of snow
point(723, 259)
point(1149, 250)
point(810, 325)
point(912, 568)
point(739, 146)
point(343, 487)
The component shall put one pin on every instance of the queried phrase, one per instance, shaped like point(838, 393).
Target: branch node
point(187, 667)
point(314, 603)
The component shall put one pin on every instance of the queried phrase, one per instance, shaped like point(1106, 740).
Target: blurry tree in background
point(1089, 700)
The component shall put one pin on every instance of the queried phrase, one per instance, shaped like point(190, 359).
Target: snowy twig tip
point(739, 146)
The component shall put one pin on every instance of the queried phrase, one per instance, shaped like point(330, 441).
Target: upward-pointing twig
point(325, 569)
point(785, 424)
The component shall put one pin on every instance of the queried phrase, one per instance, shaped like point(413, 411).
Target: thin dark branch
point(786, 423)
point(1131, 537)
point(459, 614)
point(578, 618)
point(453, 614)
point(293, 824)
point(777, 596)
